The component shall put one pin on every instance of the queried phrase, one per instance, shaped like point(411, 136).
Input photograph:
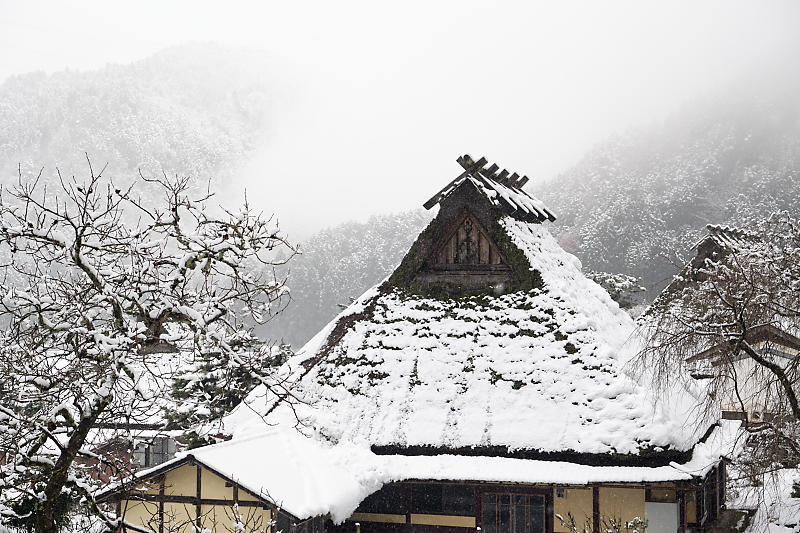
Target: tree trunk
point(59, 476)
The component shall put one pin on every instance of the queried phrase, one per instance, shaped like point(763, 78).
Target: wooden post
point(199, 494)
point(119, 515)
point(161, 491)
point(596, 509)
point(682, 511)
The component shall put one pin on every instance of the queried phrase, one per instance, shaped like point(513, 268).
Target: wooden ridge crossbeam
point(477, 169)
point(514, 180)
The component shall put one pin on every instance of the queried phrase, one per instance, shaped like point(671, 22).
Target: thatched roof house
point(483, 384)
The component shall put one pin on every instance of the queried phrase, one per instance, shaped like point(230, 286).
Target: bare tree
point(731, 314)
point(103, 296)
point(606, 525)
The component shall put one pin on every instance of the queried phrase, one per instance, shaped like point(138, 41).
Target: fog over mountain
point(336, 266)
point(639, 201)
point(634, 205)
point(195, 110)
point(628, 206)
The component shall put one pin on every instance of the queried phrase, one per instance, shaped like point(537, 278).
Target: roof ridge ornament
point(499, 186)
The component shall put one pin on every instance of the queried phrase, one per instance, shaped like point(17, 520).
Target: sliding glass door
point(512, 513)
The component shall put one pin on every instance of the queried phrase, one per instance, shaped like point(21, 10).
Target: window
point(439, 498)
point(512, 513)
point(159, 450)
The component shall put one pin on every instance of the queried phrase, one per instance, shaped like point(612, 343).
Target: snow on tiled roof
point(536, 370)
point(501, 189)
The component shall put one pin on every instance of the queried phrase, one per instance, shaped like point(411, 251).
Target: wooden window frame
point(546, 492)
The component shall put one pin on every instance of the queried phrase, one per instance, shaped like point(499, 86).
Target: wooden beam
point(596, 509)
point(467, 163)
point(468, 169)
point(176, 498)
point(199, 497)
point(489, 172)
point(161, 491)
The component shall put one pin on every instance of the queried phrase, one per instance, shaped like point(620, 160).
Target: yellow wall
point(180, 517)
point(621, 503)
point(213, 486)
point(181, 481)
point(219, 518)
point(443, 520)
point(577, 501)
point(144, 514)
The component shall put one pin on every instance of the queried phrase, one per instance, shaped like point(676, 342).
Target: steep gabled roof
point(718, 242)
point(501, 189)
point(535, 367)
point(781, 343)
point(539, 370)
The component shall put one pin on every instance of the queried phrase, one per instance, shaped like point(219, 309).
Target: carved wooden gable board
point(466, 247)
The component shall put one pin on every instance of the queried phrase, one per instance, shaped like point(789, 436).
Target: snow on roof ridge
point(727, 236)
point(498, 187)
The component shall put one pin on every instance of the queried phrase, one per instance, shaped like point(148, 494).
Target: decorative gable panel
point(466, 247)
point(464, 257)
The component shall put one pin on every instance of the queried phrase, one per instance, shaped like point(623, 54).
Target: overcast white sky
point(374, 100)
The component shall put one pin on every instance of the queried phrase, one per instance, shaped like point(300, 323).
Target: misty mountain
point(192, 110)
point(631, 206)
point(638, 202)
point(634, 205)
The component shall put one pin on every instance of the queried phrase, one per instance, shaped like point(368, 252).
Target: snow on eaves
point(307, 477)
point(516, 198)
point(539, 370)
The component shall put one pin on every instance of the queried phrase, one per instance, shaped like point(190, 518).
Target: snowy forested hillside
point(639, 198)
point(627, 207)
point(193, 110)
point(634, 205)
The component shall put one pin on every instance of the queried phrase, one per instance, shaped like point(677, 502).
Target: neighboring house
point(718, 242)
point(751, 399)
point(743, 394)
point(128, 448)
point(482, 386)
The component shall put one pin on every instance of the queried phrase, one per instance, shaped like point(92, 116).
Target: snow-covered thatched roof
point(486, 356)
point(530, 369)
